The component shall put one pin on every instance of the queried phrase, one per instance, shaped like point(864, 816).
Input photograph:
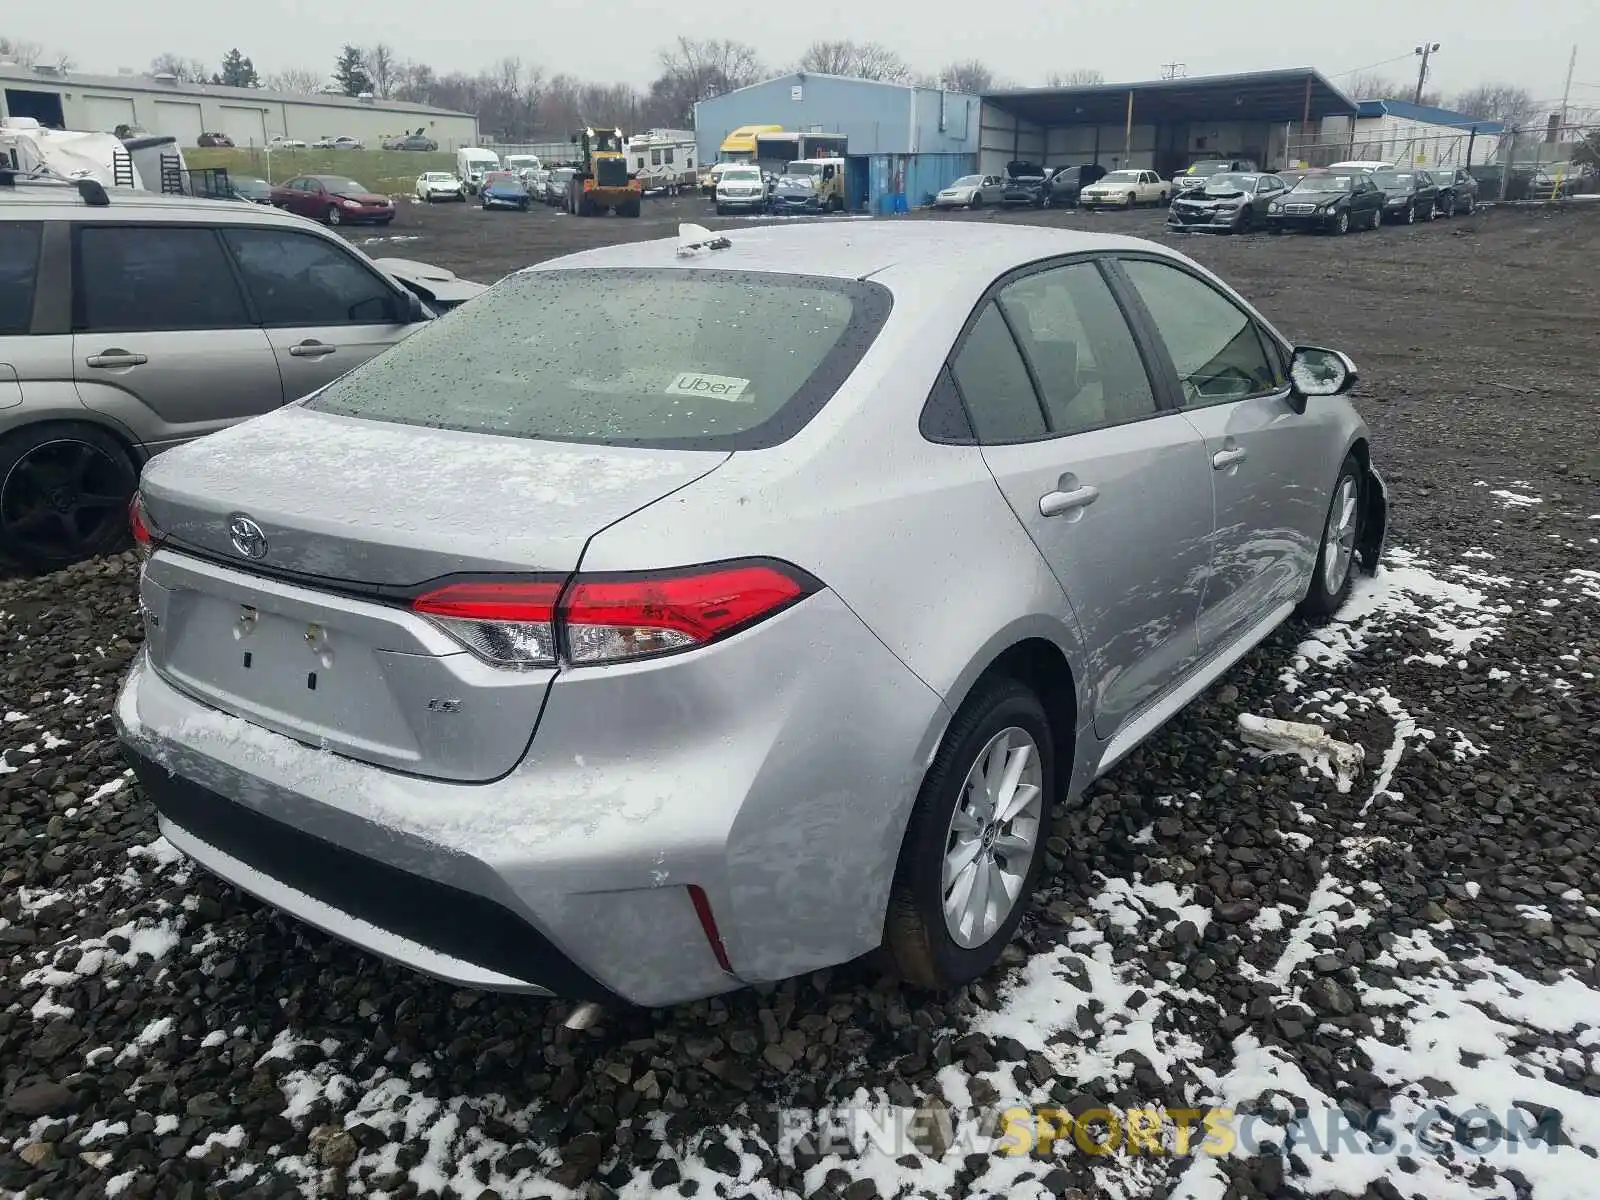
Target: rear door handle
point(312, 349)
point(116, 358)
point(1223, 459)
point(1054, 503)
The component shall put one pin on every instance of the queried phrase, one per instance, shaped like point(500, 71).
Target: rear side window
point(19, 267)
point(994, 383)
point(695, 359)
point(133, 278)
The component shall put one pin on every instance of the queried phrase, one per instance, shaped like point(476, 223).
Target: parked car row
point(1233, 195)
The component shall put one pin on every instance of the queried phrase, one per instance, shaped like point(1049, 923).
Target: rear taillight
point(612, 618)
point(510, 624)
point(139, 526)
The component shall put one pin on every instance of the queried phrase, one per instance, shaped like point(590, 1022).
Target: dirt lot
point(1315, 963)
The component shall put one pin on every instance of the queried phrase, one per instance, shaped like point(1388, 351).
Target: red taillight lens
point(612, 619)
point(139, 526)
point(510, 624)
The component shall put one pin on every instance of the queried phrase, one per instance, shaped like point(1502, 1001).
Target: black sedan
point(1408, 196)
point(1233, 202)
point(1458, 190)
point(1067, 183)
point(1331, 201)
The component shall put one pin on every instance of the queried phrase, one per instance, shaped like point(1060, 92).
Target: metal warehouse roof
point(1407, 111)
point(809, 76)
point(144, 84)
point(1285, 95)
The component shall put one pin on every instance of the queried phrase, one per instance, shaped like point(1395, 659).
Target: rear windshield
point(693, 359)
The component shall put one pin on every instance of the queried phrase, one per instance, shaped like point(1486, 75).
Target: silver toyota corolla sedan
point(687, 614)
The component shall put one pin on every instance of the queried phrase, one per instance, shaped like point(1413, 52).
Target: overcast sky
point(1022, 40)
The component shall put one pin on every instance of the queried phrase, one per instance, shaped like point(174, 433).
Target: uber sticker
point(715, 387)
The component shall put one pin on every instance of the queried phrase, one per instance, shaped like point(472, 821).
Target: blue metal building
point(904, 141)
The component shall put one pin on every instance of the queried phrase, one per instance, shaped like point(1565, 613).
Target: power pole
point(1426, 49)
point(1174, 70)
point(1566, 92)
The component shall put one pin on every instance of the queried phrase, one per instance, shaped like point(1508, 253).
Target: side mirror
point(1318, 372)
point(412, 309)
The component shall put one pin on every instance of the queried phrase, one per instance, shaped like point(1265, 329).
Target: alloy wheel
point(1339, 539)
point(62, 499)
point(993, 836)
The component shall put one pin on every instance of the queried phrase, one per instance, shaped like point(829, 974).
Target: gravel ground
point(1388, 982)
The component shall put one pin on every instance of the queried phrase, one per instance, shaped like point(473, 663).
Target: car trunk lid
point(294, 543)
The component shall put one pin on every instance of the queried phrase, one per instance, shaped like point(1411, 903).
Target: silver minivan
point(131, 322)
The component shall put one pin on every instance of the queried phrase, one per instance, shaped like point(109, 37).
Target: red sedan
point(333, 199)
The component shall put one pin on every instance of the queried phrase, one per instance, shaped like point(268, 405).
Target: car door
point(1268, 189)
point(1149, 187)
point(161, 337)
point(994, 189)
point(1269, 454)
point(1113, 489)
point(324, 309)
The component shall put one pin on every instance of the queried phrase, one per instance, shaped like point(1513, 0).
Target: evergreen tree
point(237, 71)
point(350, 72)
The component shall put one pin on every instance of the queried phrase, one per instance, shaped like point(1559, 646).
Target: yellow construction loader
point(602, 180)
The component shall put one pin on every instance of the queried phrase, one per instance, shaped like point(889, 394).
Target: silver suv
point(132, 322)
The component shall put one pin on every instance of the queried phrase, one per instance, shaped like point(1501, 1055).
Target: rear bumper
point(774, 771)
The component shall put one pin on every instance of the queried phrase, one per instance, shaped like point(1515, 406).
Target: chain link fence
point(1516, 165)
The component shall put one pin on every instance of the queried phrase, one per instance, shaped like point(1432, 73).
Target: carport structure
point(1163, 124)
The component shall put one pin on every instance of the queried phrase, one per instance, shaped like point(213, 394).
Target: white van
point(473, 163)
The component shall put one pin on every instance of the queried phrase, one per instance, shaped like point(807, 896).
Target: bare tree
point(1498, 101)
point(693, 70)
point(860, 60)
point(297, 81)
point(1078, 77)
point(24, 54)
point(1365, 85)
point(969, 76)
point(188, 70)
point(381, 68)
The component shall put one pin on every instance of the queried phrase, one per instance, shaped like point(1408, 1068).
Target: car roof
point(905, 255)
point(141, 206)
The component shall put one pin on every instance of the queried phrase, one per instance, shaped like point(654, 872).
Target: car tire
point(918, 940)
point(1450, 206)
point(102, 464)
point(1433, 211)
point(1341, 223)
point(976, 202)
point(333, 216)
point(1131, 202)
point(1335, 564)
point(1375, 222)
point(1471, 204)
point(721, 212)
point(1411, 214)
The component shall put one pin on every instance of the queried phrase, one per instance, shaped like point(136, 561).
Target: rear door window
point(19, 268)
point(133, 278)
point(697, 359)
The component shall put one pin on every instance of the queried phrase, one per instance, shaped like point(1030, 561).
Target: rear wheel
point(1375, 219)
point(64, 492)
point(972, 851)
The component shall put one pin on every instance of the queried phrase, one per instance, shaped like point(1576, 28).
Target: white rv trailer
point(663, 160)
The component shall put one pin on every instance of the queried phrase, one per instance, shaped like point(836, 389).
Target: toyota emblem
point(246, 536)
